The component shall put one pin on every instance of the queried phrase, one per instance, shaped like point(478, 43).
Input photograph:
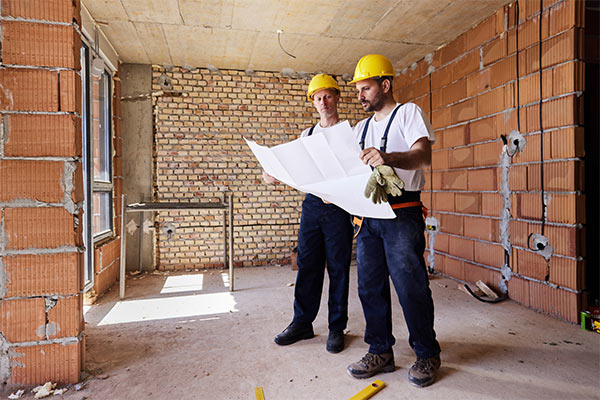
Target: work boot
point(372, 364)
point(335, 341)
point(293, 333)
point(423, 371)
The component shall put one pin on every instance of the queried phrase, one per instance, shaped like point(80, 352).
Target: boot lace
point(424, 365)
point(372, 360)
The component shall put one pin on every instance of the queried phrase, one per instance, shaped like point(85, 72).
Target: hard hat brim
point(368, 77)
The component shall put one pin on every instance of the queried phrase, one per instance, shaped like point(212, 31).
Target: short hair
point(380, 79)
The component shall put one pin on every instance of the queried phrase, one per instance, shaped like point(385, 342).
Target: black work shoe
point(335, 341)
point(423, 371)
point(293, 333)
point(372, 364)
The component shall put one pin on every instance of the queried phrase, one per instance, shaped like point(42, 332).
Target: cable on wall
point(431, 223)
point(541, 125)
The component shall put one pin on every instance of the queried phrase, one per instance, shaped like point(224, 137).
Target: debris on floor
point(290, 284)
point(487, 290)
point(488, 296)
point(476, 291)
point(44, 391)
point(79, 386)
point(16, 395)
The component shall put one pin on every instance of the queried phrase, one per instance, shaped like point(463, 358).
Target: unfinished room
point(219, 199)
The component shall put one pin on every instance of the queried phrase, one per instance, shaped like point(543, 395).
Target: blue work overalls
point(393, 248)
point(324, 239)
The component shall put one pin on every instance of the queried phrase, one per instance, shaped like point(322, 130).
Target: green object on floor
point(585, 320)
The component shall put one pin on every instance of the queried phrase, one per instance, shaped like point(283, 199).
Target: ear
point(385, 85)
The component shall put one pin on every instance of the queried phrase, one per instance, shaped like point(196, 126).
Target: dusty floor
point(196, 340)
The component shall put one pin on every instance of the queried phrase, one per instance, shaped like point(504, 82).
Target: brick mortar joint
point(28, 203)
point(51, 296)
point(38, 21)
point(62, 341)
point(2, 232)
point(39, 67)
point(3, 137)
point(15, 112)
point(43, 158)
point(108, 266)
point(578, 258)
point(40, 251)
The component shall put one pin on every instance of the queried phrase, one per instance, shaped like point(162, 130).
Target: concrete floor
point(196, 340)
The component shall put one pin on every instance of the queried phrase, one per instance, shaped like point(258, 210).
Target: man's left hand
point(372, 157)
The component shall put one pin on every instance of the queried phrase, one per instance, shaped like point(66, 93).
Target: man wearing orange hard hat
point(396, 142)
point(324, 242)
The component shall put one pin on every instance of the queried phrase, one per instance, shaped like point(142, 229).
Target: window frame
point(92, 184)
point(103, 186)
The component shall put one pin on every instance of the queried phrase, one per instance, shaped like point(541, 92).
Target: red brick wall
point(41, 318)
point(469, 88)
point(200, 152)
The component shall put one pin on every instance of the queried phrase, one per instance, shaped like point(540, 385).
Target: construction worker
point(398, 136)
point(324, 239)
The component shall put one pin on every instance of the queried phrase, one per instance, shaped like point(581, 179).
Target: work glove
point(383, 181)
point(392, 184)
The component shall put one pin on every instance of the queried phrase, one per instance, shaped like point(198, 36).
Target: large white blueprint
point(327, 165)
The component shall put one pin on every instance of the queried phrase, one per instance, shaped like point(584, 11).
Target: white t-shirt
point(318, 128)
point(408, 126)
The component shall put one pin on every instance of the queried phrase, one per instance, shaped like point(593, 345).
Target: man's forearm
point(409, 160)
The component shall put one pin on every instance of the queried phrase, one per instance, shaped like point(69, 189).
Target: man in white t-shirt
point(396, 135)
point(324, 242)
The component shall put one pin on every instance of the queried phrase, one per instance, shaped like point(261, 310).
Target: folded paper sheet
point(327, 165)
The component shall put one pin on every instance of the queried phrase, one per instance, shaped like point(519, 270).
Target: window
point(97, 145)
point(96, 129)
point(101, 149)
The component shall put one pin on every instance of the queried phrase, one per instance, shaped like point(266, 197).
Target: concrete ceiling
point(328, 36)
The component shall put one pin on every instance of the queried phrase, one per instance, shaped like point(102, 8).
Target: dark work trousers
point(325, 238)
point(394, 248)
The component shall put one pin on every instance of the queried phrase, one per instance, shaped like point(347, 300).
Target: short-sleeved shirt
point(408, 126)
point(318, 128)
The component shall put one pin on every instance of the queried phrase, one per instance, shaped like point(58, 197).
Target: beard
point(375, 105)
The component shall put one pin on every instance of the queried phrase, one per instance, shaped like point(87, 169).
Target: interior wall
point(489, 205)
point(200, 154)
point(41, 194)
point(138, 161)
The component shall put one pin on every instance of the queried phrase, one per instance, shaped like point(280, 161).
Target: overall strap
point(383, 144)
point(364, 133)
point(312, 128)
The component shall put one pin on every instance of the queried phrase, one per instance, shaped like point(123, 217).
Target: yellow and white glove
point(383, 181)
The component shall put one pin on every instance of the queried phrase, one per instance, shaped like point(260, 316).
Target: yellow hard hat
point(321, 81)
point(372, 66)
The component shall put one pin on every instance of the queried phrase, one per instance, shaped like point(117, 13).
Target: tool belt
point(408, 199)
